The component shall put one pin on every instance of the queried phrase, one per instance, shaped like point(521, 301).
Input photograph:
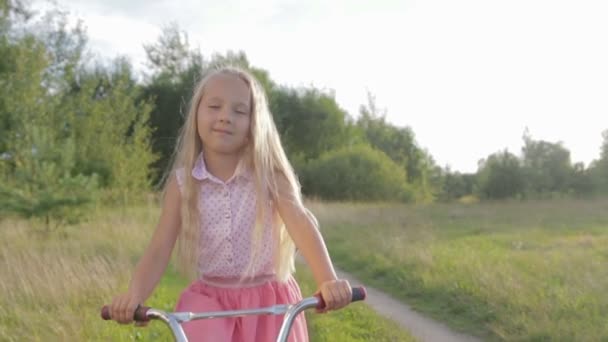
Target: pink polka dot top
point(227, 219)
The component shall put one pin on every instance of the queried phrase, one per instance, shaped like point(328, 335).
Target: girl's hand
point(336, 294)
point(123, 308)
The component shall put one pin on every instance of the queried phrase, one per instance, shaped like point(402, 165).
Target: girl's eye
point(241, 112)
point(214, 107)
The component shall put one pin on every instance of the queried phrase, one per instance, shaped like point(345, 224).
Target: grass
point(524, 271)
point(53, 285)
point(357, 322)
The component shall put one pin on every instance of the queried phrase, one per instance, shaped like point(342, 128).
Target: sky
point(467, 76)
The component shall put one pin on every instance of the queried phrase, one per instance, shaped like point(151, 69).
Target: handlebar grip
point(140, 314)
point(105, 313)
point(359, 293)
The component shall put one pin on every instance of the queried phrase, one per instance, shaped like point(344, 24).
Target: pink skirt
point(201, 296)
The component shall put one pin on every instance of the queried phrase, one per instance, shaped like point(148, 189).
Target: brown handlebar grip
point(359, 293)
point(105, 313)
point(140, 315)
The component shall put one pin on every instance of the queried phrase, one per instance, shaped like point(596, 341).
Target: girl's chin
point(224, 149)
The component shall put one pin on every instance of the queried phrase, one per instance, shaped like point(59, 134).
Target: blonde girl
point(233, 205)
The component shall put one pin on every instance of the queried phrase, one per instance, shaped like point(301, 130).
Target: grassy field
point(517, 271)
point(53, 285)
point(524, 271)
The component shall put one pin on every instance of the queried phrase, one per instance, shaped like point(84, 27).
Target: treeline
point(336, 156)
point(75, 129)
point(542, 170)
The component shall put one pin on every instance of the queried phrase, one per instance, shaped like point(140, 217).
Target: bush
point(358, 173)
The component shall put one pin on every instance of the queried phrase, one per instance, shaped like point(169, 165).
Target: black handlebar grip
point(359, 293)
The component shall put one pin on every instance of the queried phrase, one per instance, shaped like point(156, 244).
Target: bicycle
point(174, 319)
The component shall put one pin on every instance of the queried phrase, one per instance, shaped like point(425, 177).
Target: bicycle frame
point(174, 320)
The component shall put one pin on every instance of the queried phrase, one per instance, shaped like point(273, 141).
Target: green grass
point(53, 285)
point(524, 271)
point(530, 271)
point(357, 322)
point(163, 298)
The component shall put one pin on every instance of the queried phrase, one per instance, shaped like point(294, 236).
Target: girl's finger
point(335, 293)
point(124, 312)
point(111, 309)
point(328, 298)
point(117, 311)
point(345, 294)
point(120, 312)
point(131, 307)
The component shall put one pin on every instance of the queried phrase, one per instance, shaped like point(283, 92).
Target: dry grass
point(53, 283)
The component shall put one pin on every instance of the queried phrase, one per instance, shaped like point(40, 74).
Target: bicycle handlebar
point(141, 313)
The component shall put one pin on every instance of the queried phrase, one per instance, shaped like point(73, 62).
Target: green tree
point(400, 145)
point(310, 122)
point(581, 181)
point(456, 185)
point(38, 155)
point(500, 176)
point(546, 165)
point(11, 13)
point(175, 69)
point(171, 56)
point(598, 171)
point(110, 123)
point(63, 126)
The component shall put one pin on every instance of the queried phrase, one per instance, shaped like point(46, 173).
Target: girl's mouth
point(222, 131)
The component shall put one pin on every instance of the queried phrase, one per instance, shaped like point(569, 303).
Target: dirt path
point(422, 328)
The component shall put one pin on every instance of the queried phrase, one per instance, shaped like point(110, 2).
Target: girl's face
point(224, 114)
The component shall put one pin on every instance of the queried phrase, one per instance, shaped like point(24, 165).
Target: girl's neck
point(220, 165)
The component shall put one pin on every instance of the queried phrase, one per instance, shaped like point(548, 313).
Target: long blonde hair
point(264, 155)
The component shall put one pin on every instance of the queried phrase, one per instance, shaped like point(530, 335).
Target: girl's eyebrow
point(215, 98)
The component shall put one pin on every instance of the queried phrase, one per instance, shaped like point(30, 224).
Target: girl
point(233, 204)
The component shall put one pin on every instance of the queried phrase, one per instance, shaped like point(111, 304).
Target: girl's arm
point(152, 264)
point(303, 229)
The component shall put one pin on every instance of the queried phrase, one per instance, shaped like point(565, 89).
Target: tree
point(456, 185)
point(400, 145)
point(175, 69)
point(598, 171)
point(604, 148)
point(170, 57)
point(310, 122)
point(110, 123)
point(581, 181)
point(546, 165)
point(66, 130)
point(39, 177)
point(500, 176)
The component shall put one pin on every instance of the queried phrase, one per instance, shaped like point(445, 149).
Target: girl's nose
point(225, 115)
